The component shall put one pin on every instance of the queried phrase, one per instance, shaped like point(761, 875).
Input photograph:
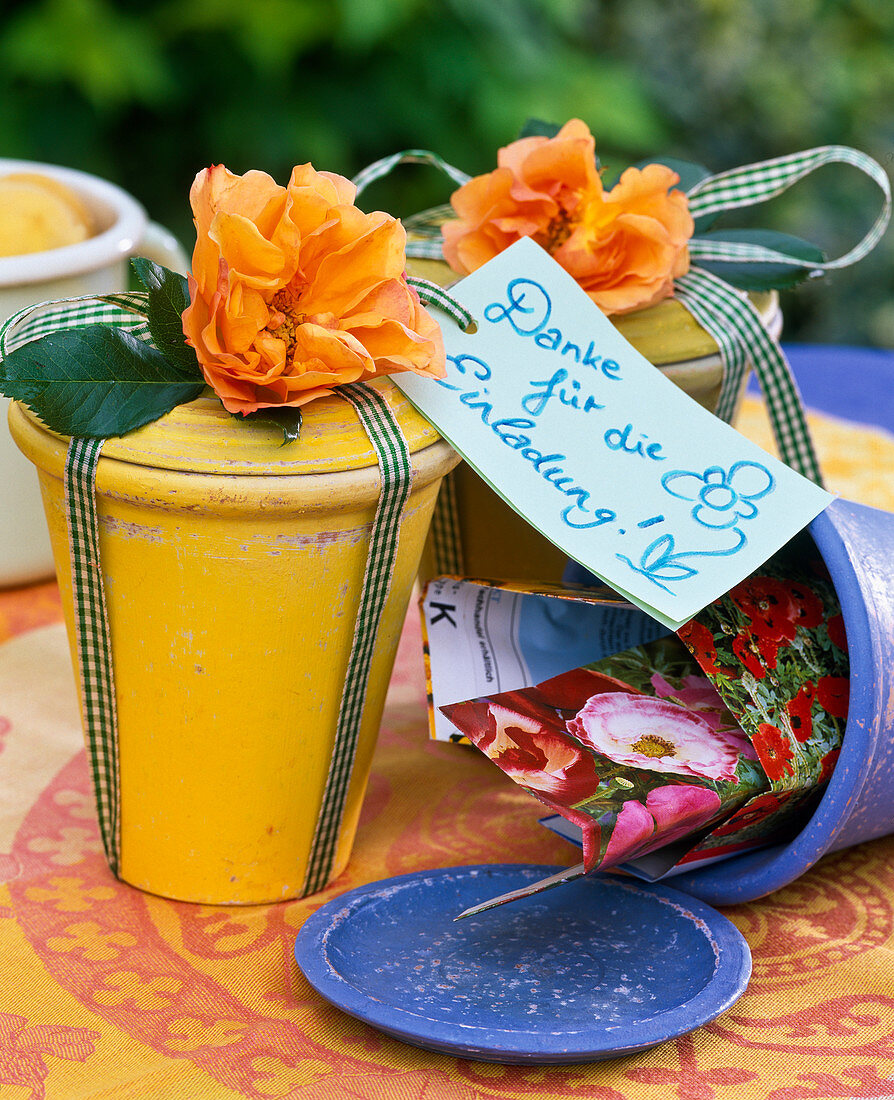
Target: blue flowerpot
point(857, 545)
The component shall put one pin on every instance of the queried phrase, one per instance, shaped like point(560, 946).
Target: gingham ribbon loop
point(429, 246)
point(380, 168)
point(127, 311)
point(728, 315)
point(434, 295)
point(756, 183)
point(748, 185)
point(395, 468)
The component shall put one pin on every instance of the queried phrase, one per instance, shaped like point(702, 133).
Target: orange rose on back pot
point(294, 290)
point(634, 242)
point(624, 246)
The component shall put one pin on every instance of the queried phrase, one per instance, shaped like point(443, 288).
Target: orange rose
point(624, 247)
point(633, 242)
point(294, 290)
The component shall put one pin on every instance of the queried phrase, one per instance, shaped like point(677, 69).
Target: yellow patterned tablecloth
point(107, 993)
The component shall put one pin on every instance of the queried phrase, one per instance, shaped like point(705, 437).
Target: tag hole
point(471, 328)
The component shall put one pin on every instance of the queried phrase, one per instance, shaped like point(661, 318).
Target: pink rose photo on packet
point(637, 762)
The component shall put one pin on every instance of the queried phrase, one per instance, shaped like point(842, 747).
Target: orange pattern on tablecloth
point(107, 991)
point(24, 1050)
point(24, 609)
point(218, 987)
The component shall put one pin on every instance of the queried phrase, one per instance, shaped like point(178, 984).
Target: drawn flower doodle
point(724, 497)
point(661, 561)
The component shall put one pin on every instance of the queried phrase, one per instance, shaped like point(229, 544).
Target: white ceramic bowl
point(97, 265)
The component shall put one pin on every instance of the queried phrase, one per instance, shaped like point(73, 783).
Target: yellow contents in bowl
point(38, 213)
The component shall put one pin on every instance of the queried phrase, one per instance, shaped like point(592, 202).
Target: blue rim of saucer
point(600, 967)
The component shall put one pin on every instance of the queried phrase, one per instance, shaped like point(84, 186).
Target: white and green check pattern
point(92, 640)
point(728, 315)
point(755, 183)
point(736, 325)
point(395, 469)
point(446, 539)
point(127, 311)
point(434, 295)
point(384, 167)
point(425, 249)
point(93, 643)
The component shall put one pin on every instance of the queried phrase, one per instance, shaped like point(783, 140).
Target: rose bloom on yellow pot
point(294, 290)
point(253, 525)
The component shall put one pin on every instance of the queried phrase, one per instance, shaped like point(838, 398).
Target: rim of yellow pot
point(665, 333)
point(201, 437)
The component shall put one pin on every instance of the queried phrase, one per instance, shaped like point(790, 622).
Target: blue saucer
point(600, 967)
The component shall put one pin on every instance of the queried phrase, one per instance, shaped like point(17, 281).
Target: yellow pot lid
point(202, 437)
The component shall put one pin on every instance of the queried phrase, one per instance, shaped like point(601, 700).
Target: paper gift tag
point(598, 450)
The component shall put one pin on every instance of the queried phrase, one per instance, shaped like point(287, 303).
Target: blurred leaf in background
point(745, 81)
point(147, 92)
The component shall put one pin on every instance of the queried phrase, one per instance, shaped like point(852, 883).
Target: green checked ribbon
point(93, 640)
point(444, 532)
point(93, 643)
point(93, 646)
point(125, 311)
point(394, 465)
point(434, 295)
point(728, 315)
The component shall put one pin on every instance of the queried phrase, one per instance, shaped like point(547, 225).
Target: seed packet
point(638, 750)
point(668, 755)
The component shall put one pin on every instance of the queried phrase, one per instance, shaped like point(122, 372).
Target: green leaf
point(168, 297)
point(770, 276)
point(95, 381)
point(704, 222)
point(537, 127)
point(287, 418)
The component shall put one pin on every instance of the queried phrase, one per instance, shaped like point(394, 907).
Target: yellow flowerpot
point(496, 542)
point(233, 567)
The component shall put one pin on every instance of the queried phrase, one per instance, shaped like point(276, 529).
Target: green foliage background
point(147, 92)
